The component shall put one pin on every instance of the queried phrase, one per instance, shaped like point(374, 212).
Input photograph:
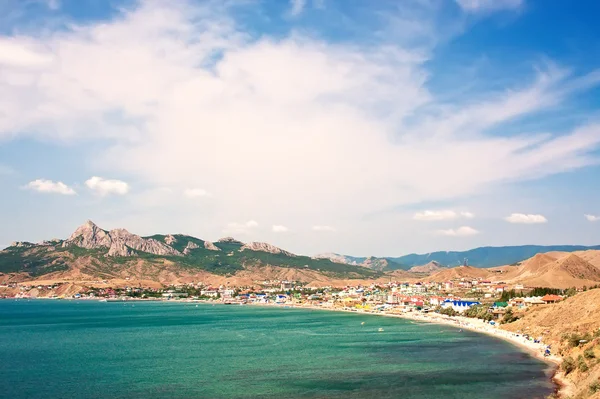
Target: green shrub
point(589, 353)
point(509, 317)
point(567, 365)
point(581, 364)
point(595, 386)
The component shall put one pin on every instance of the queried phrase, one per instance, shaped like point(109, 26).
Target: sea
point(90, 349)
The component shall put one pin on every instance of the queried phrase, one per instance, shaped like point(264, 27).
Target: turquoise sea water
point(66, 349)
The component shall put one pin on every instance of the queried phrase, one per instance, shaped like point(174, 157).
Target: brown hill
point(579, 315)
point(430, 267)
point(592, 256)
point(555, 269)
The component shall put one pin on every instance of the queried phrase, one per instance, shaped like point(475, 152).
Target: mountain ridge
point(110, 250)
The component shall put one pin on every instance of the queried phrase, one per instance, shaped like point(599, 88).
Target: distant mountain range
point(485, 256)
point(478, 257)
point(92, 253)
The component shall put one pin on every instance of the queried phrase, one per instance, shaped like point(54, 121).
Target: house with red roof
point(549, 298)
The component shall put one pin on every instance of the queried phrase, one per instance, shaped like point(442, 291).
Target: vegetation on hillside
point(39, 260)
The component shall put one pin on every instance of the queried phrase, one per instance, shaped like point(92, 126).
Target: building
point(459, 306)
point(549, 298)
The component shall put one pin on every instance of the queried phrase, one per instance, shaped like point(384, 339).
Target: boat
point(380, 329)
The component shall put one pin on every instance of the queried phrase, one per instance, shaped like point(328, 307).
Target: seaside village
point(493, 301)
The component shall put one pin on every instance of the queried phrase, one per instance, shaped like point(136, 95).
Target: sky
point(350, 126)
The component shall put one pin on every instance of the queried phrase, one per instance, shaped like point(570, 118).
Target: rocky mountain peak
point(265, 247)
point(229, 240)
point(89, 236)
point(119, 242)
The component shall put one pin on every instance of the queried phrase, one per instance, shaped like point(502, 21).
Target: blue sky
point(359, 127)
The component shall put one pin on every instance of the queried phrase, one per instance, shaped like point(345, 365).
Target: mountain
point(557, 269)
point(486, 256)
point(94, 253)
point(431, 267)
point(371, 262)
point(338, 258)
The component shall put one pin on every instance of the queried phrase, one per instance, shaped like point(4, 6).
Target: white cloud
point(195, 193)
point(441, 215)
point(279, 228)
point(184, 68)
point(240, 228)
point(49, 186)
point(107, 186)
point(23, 53)
point(592, 218)
point(297, 6)
point(323, 228)
point(525, 218)
point(463, 231)
point(486, 6)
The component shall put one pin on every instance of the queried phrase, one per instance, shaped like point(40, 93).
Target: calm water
point(61, 349)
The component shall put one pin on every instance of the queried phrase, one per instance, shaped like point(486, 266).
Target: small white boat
point(362, 324)
point(380, 329)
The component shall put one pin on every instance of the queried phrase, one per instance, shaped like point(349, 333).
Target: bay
point(89, 349)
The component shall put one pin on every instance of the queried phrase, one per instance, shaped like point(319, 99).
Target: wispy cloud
point(105, 187)
point(441, 215)
point(297, 6)
point(592, 218)
point(323, 228)
point(463, 231)
point(525, 218)
point(49, 186)
point(486, 6)
point(277, 228)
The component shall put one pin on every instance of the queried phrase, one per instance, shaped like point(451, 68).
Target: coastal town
point(451, 297)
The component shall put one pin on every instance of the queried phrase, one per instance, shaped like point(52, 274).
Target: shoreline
point(564, 387)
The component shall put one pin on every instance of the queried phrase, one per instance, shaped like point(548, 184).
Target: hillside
point(557, 269)
point(93, 253)
point(486, 256)
point(371, 262)
point(431, 267)
point(563, 325)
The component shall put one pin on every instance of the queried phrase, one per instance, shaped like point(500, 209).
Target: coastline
point(564, 387)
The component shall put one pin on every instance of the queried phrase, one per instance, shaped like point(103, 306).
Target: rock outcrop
point(169, 240)
point(119, 242)
point(229, 240)
point(21, 244)
point(189, 247)
point(210, 246)
point(265, 247)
